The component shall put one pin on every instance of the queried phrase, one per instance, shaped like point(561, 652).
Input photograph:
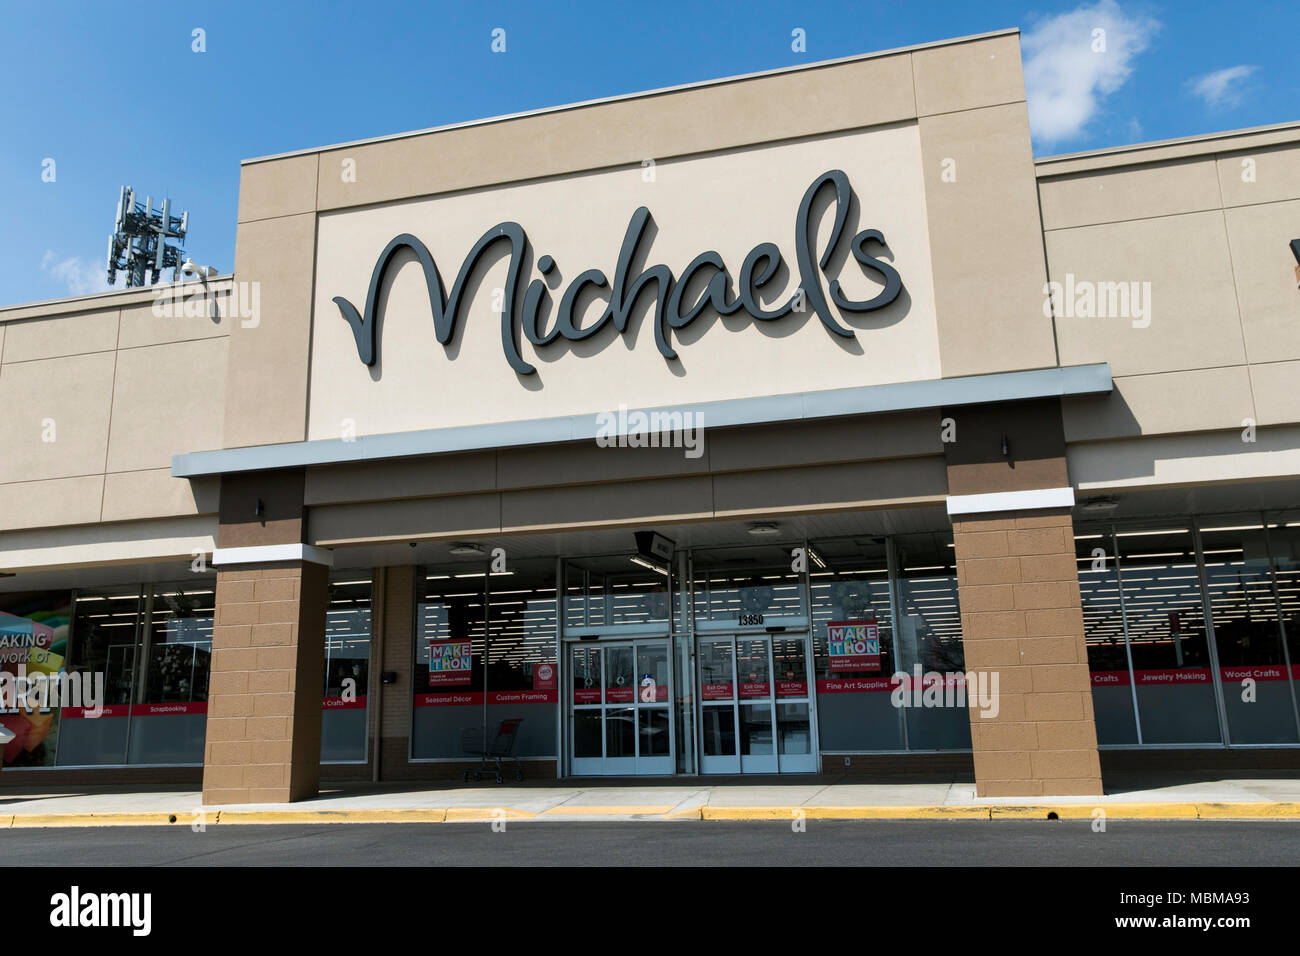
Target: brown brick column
point(1021, 614)
point(395, 712)
point(1022, 620)
point(264, 696)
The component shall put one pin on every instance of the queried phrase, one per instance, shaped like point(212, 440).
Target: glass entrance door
point(620, 708)
point(755, 713)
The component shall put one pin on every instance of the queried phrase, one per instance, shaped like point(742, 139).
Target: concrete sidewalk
point(1151, 798)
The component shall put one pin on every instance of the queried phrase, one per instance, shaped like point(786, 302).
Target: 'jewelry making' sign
point(671, 312)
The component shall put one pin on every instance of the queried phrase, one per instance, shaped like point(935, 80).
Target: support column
point(1010, 503)
point(267, 676)
point(395, 713)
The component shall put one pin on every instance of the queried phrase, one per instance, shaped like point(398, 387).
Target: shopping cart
point(502, 749)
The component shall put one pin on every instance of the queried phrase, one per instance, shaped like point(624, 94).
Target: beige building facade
point(791, 423)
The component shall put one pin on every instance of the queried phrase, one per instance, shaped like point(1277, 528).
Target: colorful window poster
point(33, 639)
point(853, 645)
point(450, 663)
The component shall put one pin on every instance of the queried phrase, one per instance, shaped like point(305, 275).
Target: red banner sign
point(476, 697)
point(1170, 676)
point(339, 703)
point(138, 710)
point(716, 691)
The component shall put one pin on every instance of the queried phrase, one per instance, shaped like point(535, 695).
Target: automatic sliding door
point(755, 708)
point(620, 715)
point(653, 709)
point(620, 710)
point(587, 719)
point(757, 736)
point(794, 730)
point(717, 682)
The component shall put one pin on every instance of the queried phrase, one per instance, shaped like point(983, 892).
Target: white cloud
point(1222, 87)
point(1073, 60)
point(80, 276)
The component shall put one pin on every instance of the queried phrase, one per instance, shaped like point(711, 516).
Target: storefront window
point(746, 586)
point(105, 630)
point(169, 715)
point(34, 629)
point(1104, 635)
point(612, 591)
point(522, 671)
point(1166, 631)
point(849, 586)
point(928, 635)
point(485, 653)
point(153, 646)
point(449, 662)
point(1284, 549)
point(1253, 665)
point(347, 669)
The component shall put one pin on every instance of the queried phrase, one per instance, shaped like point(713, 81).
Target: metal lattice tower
point(139, 246)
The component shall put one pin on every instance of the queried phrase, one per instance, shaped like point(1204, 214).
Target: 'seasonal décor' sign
point(760, 266)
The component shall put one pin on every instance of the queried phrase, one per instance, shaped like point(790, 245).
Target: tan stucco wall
point(732, 159)
point(98, 394)
point(728, 204)
point(1223, 338)
point(935, 142)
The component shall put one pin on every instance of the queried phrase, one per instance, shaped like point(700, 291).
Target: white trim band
point(1011, 501)
point(724, 413)
point(267, 553)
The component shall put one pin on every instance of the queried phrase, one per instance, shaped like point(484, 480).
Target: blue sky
point(283, 76)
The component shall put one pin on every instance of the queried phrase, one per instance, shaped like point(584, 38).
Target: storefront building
point(673, 427)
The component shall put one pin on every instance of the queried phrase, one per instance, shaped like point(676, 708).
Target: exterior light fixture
point(645, 562)
point(466, 549)
point(764, 528)
point(1102, 504)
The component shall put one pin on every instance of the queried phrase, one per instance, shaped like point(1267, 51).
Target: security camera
point(188, 268)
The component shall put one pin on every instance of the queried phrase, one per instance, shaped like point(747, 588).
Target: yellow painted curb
point(1085, 811)
point(690, 813)
point(1074, 811)
point(844, 813)
point(1248, 811)
point(102, 819)
point(579, 811)
point(329, 816)
point(898, 813)
point(486, 814)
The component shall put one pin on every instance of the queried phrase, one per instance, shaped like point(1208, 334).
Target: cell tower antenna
point(138, 245)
